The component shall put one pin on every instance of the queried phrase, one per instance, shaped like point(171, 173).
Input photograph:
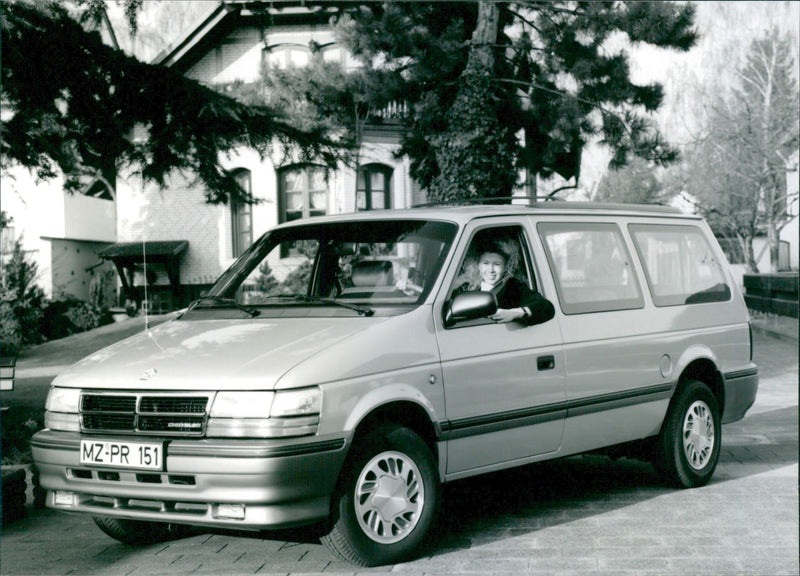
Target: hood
point(211, 354)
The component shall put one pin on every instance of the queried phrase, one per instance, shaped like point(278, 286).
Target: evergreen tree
point(21, 300)
point(75, 101)
point(265, 281)
point(476, 75)
point(635, 183)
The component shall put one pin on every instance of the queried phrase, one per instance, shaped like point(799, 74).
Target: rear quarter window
point(591, 266)
point(679, 264)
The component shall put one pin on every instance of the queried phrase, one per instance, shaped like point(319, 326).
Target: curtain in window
point(304, 193)
point(241, 217)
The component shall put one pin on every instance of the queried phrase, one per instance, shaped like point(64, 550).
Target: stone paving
point(580, 515)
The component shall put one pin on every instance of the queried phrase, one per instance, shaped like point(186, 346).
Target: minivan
point(344, 368)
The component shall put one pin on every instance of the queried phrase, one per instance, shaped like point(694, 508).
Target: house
point(172, 244)
point(791, 232)
point(63, 233)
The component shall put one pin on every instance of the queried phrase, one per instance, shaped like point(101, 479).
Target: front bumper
point(276, 483)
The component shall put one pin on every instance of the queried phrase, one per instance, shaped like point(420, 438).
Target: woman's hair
point(506, 248)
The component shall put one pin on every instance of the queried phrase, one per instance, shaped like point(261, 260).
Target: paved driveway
point(580, 515)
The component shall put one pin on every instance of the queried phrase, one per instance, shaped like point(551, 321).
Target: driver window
point(505, 255)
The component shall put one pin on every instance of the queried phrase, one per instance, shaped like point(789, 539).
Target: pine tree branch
point(68, 112)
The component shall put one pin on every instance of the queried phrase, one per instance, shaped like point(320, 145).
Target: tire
point(139, 532)
point(386, 500)
point(690, 439)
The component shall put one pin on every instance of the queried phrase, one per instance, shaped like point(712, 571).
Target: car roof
point(462, 214)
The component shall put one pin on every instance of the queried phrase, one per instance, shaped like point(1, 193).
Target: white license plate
point(146, 455)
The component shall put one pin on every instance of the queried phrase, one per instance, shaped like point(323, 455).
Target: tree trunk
point(531, 186)
point(750, 257)
point(774, 246)
point(475, 156)
point(484, 36)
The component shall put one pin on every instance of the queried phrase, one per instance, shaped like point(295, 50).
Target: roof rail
point(485, 200)
point(555, 203)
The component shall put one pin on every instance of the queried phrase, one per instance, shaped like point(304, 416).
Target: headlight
point(63, 400)
point(265, 414)
point(296, 402)
point(242, 405)
point(61, 409)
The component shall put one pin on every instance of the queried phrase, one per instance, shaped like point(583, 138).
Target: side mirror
point(468, 306)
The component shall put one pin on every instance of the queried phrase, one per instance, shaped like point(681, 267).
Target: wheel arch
point(403, 413)
point(704, 370)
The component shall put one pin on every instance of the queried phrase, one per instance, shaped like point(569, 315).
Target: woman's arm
point(518, 302)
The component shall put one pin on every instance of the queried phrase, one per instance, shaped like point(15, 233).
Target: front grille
point(108, 403)
point(182, 405)
point(156, 414)
point(109, 421)
point(170, 423)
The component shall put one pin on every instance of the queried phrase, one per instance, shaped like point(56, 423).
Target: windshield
point(342, 268)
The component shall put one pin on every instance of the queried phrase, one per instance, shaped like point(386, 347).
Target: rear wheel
point(690, 438)
point(140, 532)
point(387, 499)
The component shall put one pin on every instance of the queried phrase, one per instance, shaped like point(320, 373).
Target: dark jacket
point(513, 294)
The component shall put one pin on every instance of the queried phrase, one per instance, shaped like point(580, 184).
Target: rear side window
point(591, 266)
point(680, 266)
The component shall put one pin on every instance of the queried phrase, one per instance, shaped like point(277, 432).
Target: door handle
point(546, 362)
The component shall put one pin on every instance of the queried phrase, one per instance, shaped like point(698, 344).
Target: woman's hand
point(408, 288)
point(507, 315)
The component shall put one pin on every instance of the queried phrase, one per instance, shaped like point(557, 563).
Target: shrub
point(21, 300)
point(83, 316)
point(68, 316)
point(10, 332)
point(18, 425)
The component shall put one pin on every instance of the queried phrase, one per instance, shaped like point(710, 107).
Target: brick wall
point(178, 212)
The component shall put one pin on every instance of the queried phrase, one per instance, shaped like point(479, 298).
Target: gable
point(232, 42)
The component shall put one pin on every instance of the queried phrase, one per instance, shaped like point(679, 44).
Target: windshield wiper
point(362, 310)
point(230, 301)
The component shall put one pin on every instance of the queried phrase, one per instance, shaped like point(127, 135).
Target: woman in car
point(494, 272)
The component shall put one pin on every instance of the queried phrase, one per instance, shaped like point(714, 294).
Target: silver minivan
point(345, 367)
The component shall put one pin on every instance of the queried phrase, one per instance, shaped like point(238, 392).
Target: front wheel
point(387, 499)
point(139, 532)
point(690, 438)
